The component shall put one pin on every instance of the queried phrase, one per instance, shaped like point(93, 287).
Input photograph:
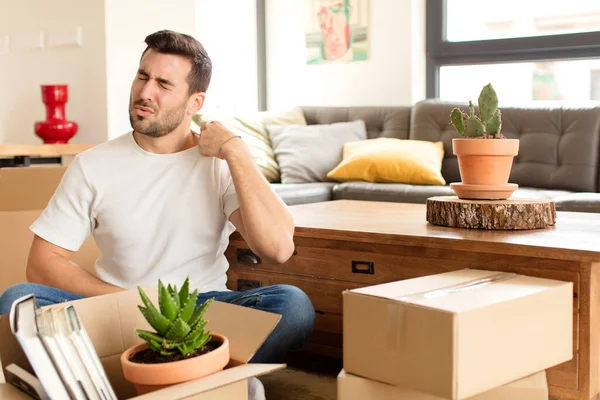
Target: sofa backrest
point(558, 149)
point(392, 122)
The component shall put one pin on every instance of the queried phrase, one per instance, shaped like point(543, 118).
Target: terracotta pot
point(485, 161)
point(150, 377)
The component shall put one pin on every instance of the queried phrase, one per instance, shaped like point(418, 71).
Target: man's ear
point(196, 102)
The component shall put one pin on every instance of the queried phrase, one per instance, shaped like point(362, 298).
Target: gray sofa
point(559, 154)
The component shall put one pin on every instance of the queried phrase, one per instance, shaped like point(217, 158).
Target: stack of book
point(60, 352)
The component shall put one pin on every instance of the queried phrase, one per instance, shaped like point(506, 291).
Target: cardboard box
point(111, 320)
point(25, 193)
point(28, 188)
point(352, 387)
point(457, 334)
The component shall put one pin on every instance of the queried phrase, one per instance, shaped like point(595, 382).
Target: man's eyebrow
point(161, 80)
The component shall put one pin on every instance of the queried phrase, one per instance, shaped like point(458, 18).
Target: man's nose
point(147, 92)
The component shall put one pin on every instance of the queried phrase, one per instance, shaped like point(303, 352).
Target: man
point(161, 202)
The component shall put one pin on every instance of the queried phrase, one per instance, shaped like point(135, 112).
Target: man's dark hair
point(169, 42)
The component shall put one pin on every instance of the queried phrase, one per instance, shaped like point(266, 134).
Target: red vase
point(55, 129)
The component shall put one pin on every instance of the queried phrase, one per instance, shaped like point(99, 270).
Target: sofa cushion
point(252, 128)
point(307, 153)
point(579, 202)
point(393, 192)
point(559, 147)
point(390, 122)
point(303, 193)
point(392, 161)
point(396, 192)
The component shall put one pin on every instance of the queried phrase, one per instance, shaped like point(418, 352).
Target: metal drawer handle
point(363, 267)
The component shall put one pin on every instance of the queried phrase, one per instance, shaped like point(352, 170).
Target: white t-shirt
point(152, 215)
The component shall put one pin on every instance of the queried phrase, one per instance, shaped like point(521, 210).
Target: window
point(228, 31)
point(519, 18)
point(531, 51)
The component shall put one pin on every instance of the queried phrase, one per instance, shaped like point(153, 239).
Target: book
point(23, 325)
point(60, 351)
point(25, 382)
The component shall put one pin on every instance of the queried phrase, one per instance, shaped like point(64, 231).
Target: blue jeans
point(292, 331)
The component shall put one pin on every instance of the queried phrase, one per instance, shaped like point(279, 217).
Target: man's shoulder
point(109, 149)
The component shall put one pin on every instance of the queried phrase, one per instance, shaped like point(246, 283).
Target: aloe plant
point(489, 121)
point(179, 324)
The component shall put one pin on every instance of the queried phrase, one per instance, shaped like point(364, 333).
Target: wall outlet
point(65, 37)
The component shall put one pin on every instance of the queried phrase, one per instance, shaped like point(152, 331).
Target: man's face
point(159, 94)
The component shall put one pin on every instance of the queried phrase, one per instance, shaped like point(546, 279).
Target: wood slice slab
point(491, 214)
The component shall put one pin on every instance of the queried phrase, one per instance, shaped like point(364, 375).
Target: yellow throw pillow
point(391, 161)
point(252, 128)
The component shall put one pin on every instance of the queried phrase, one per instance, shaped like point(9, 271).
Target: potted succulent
point(484, 155)
point(180, 349)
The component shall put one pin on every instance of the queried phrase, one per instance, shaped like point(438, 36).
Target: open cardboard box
point(111, 320)
point(457, 334)
point(352, 387)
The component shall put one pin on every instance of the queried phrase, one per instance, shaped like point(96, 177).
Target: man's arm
point(263, 219)
point(50, 265)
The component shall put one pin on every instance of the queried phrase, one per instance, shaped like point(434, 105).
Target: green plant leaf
point(148, 336)
point(471, 109)
point(155, 346)
point(156, 320)
point(199, 312)
point(201, 341)
point(168, 307)
point(494, 125)
point(488, 103)
point(196, 332)
point(178, 331)
point(456, 119)
point(474, 127)
point(184, 293)
point(189, 306)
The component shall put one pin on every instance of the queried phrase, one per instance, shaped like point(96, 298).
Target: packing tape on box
point(395, 309)
point(457, 287)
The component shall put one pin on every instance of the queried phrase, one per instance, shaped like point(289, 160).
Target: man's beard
point(169, 121)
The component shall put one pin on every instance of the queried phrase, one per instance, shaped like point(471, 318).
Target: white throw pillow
point(306, 153)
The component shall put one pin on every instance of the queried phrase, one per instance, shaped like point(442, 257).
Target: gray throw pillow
point(306, 153)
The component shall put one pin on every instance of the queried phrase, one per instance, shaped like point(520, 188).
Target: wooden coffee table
point(348, 244)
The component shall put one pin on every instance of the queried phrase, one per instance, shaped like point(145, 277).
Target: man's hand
point(212, 139)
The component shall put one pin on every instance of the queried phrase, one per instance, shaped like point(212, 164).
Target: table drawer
point(352, 266)
point(373, 268)
point(325, 294)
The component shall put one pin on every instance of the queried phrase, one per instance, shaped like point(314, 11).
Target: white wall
point(24, 68)
point(128, 22)
point(394, 74)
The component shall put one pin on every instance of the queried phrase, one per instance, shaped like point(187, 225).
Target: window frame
point(440, 52)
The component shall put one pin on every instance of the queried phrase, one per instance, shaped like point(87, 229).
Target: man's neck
point(178, 140)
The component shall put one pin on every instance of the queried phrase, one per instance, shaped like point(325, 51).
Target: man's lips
point(143, 111)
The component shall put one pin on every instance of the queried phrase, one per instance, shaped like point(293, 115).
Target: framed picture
point(336, 31)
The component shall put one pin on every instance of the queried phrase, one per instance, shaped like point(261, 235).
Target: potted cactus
point(179, 349)
point(484, 155)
